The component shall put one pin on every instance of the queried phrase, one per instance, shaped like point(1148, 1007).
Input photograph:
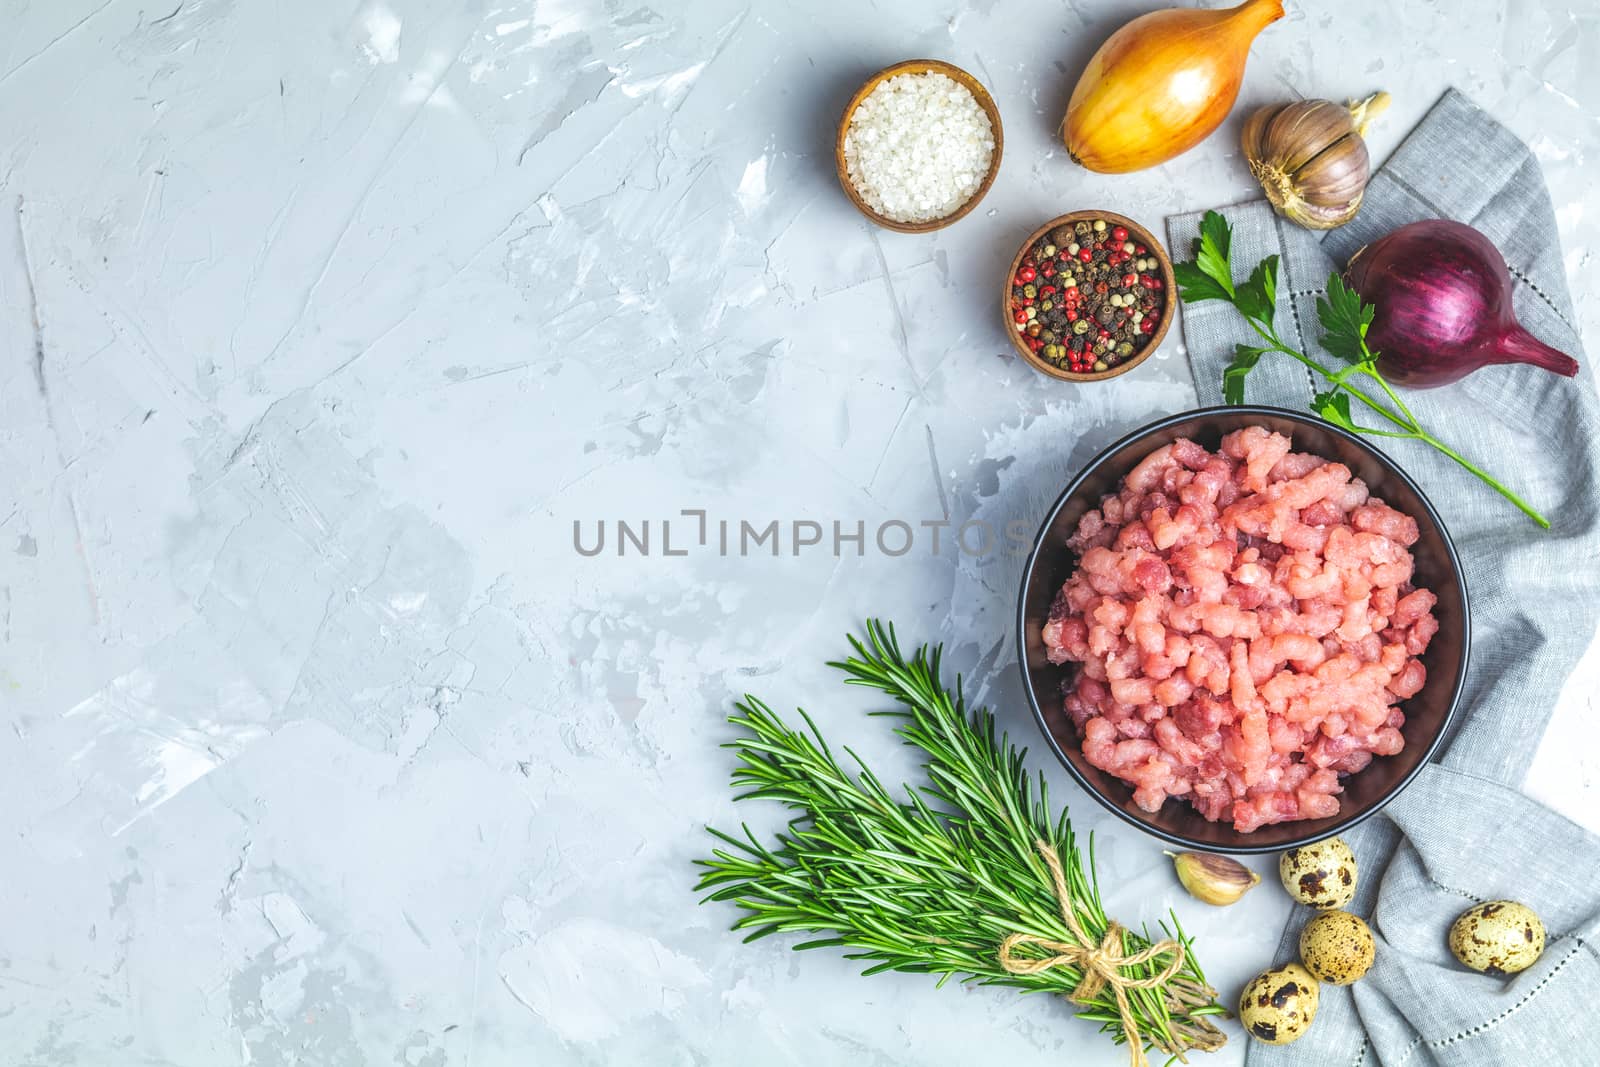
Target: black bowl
point(1428, 713)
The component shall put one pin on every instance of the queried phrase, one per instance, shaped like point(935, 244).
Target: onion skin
point(1161, 84)
point(1443, 299)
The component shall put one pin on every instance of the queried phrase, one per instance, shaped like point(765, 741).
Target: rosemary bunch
point(935, 879)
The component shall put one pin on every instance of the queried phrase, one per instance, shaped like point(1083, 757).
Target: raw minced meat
point(1246, 626)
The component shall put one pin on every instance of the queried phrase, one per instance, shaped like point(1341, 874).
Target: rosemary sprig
point(1344, 318)
point(931, 881)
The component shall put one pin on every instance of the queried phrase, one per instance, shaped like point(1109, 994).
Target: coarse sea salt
point(918, 147)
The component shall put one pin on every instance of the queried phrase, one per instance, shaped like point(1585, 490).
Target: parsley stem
point(1276, 344)
point(1370, 366)
point(1344, 317)
point(1412, 429)
point(1406, 421)
point(1404, 435)
point(1523, 507)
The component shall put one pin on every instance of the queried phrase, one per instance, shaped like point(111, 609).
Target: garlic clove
point(1301, 131)
point(1213, 879)
point(1254, 131)
point(1337, 173)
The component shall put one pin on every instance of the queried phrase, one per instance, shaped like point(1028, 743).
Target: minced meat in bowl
point(1242, 628)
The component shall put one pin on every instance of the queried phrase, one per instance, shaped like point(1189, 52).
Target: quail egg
point(1337, 947)
point(1278, 1005)
point(1322, 874)
point(1498, 937)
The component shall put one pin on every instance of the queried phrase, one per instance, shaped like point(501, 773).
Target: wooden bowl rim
point(1168, 283)
point(920, 66)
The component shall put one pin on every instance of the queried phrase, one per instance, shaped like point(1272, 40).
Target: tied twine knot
point(1101, 964)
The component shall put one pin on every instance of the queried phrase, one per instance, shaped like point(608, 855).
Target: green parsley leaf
point(1195, 284)
point(1335, 407)
point(1211, 250)
point(1345, 319)
point(1245, 359)
point(1257, 297)
point(1209, 276)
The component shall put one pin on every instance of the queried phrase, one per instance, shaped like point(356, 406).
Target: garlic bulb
point(1311, 158)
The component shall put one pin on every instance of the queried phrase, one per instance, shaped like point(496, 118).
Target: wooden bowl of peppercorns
point(1089, 296)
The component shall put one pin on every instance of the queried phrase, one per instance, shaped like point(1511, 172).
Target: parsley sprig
point(1345, 320)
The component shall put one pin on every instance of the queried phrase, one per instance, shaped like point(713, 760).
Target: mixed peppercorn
point(1087, 296)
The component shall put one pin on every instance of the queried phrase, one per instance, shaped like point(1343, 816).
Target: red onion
point(1443, 295)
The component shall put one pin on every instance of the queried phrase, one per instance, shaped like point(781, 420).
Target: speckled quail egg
point(1498, 937)
point(1278, 1005)
point(1337, 947)
point(1322, 874)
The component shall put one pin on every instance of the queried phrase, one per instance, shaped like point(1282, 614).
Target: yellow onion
point(1311, 157)
point(1161, 84)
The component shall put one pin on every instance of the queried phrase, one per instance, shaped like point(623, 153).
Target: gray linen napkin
point(1463, 831)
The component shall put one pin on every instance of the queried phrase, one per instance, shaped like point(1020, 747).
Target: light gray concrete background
point(323, 320)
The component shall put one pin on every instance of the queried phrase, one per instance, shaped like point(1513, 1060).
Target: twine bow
point(1101, 965)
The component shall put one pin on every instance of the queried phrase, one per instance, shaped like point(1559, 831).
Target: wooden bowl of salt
point(844, 158)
